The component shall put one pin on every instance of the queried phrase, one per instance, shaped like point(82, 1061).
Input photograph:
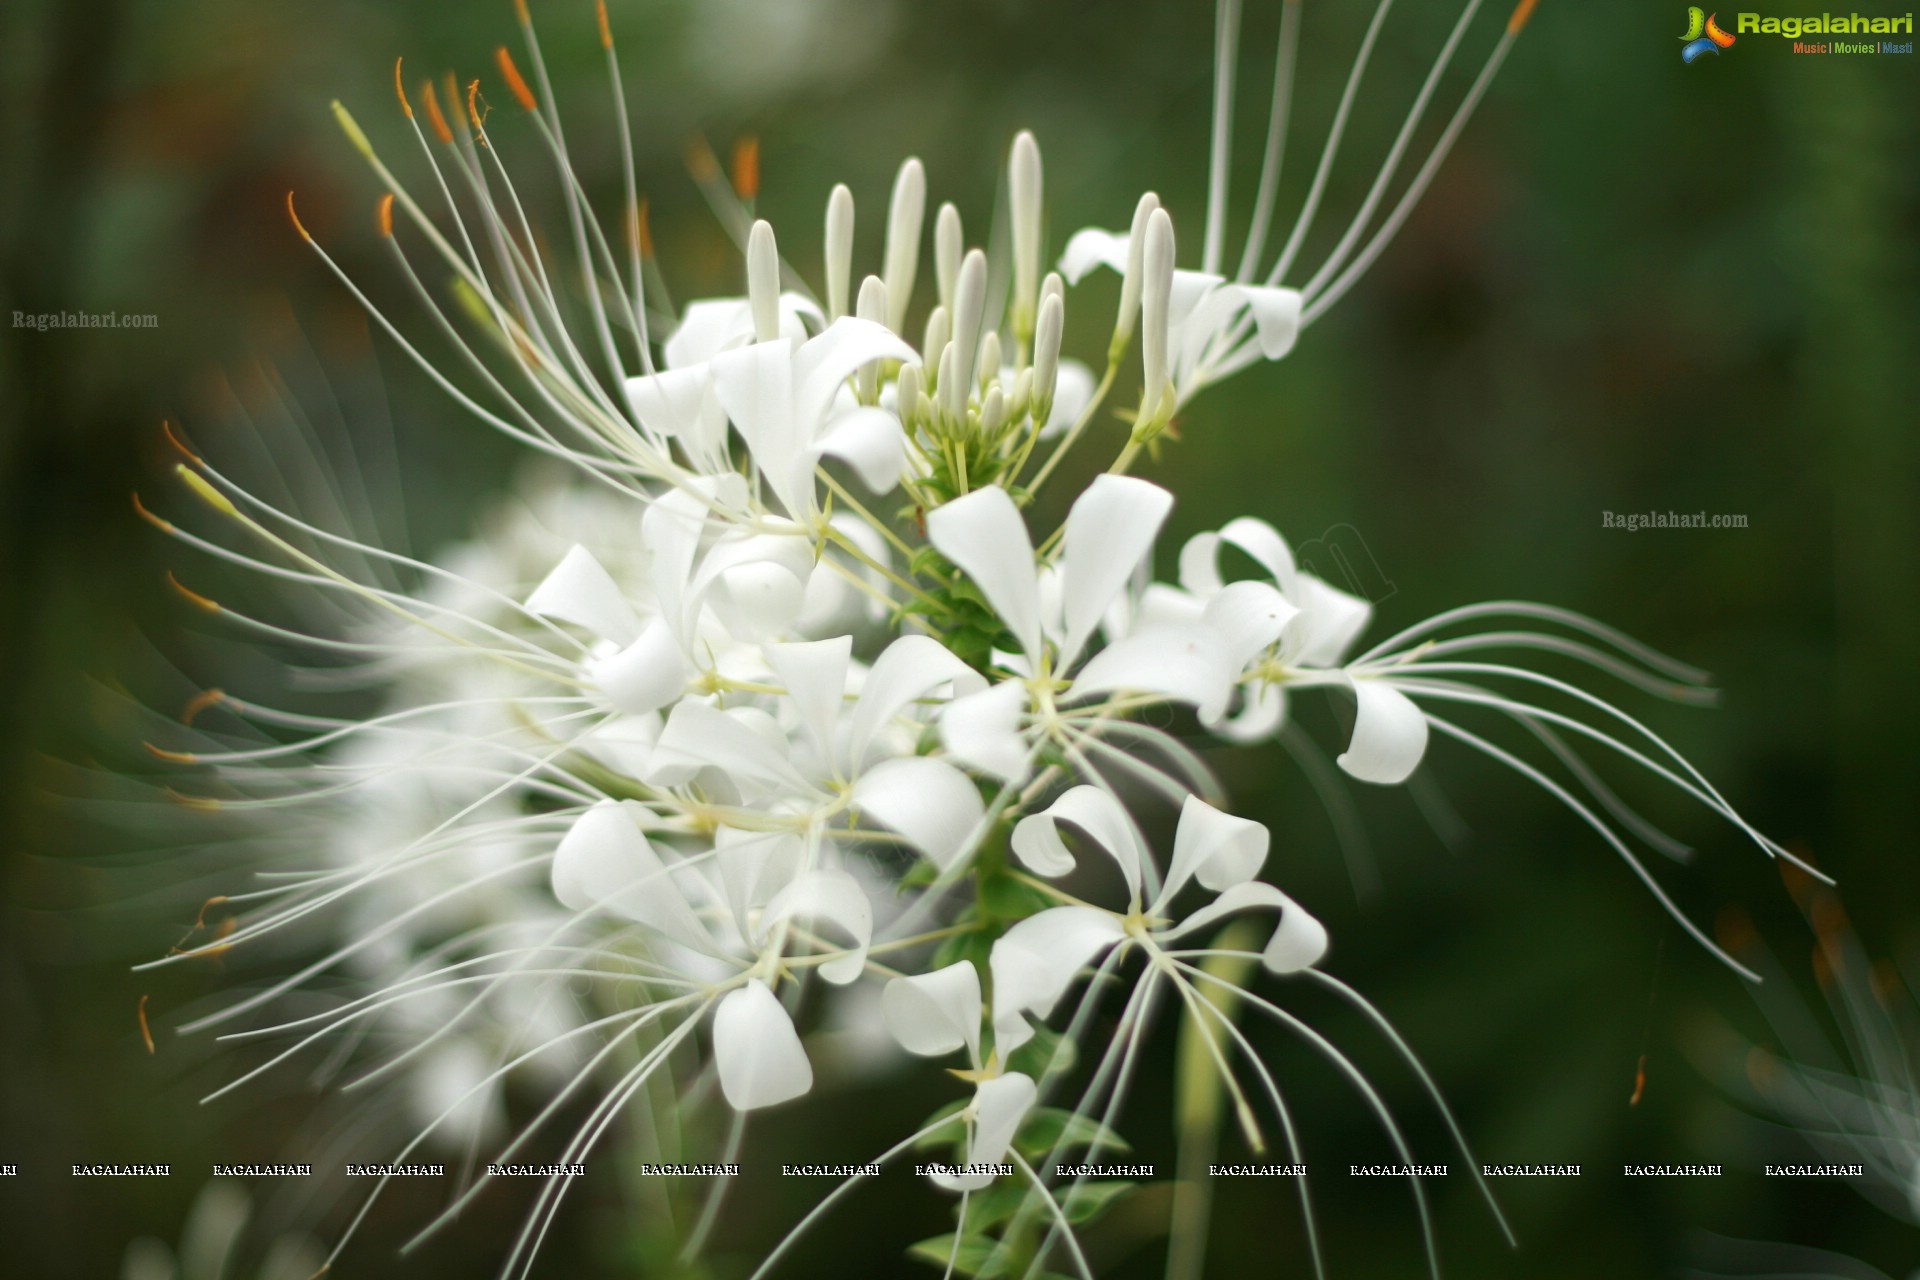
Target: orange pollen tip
point(173, 438)
point(473, 108)
point(140, 509)
point(200, 921)
point(296, 220)
point(383, 215)
point(1521, 12)
point(400, 89)
point(643, 229)
point(205, 804)
point(514, 82)
point(700, 160)
point(193, 597)
point(146, 1032)
point(200, 702)
point(434, 118)
point(520, 11)
point(746, 167)
point(174, 757)
point(606, 28)
point(1639, 1082)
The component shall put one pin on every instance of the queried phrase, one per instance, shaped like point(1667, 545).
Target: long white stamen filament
point(1324, 172)
point(1279, 116)
point(1391, 165)
point(1226, 57)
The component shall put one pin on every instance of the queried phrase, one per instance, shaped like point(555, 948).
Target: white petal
point(872, 442)
point(581, 591)
point(759, 599)
point(1034, 962)
point(1299, 940)
point(604, 862)
point(908, 669)
point(823, 364)
point(754, 866)
point(1219, 849)
point(982, 730)
point(709, 327)
point(1250, 617)
point(984, 535)
point(933, 805)
point(672, 402)
point(1036, 837)
point(1259, 716)
point(1330, 621)
point(644, 676)
point(1276, 318)
point(1186, 663)
point(815, 674)
point(999, 1105)
point(756, 385)
point(757, 1050)
point(1200, 564)
point(1073, 387)
point(1110, 529)
point(935, 1013)
point(834, 897)
point(1091, 247)
point(698, 736)
point(1389, 734)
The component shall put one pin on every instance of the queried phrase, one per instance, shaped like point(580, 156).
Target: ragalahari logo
point(1703, 35)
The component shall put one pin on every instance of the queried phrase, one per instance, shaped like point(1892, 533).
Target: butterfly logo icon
point(1703, 35)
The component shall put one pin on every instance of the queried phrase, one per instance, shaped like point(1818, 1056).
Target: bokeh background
point(1636, 286)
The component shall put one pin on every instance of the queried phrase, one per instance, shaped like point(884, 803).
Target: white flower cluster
point(776, 699)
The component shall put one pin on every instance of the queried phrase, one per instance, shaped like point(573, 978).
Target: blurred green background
point(1636, 286)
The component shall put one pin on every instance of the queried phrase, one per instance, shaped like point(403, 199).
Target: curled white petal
point(984, 535)
point(1187, 663)
point(581, 591)
point(982, 730)
point(1109, 531)
point(757, 1051)
point(908, 669)
point(933, 805)
point(606, 863)
point(1034, 962)
point(831, 896)
point(1299, 941)
point(935, 1013)
point(1037, 842)
point(1092, 247)
point(1389, 734)
point(999, 1105)
point(644, 676)
point(1218, 849)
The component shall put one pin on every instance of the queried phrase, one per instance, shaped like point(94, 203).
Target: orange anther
point(383, 215)
point(606, 29)
point(296, 220)
point(146, 1033)
point(194, 597)
point(1639, 1082)
point(172, 757)
point(514, 82)
point(746, 167)
point(400, 89)
point(200, 702)
point(434, 118)
point(1521, 12)
point(140, 509)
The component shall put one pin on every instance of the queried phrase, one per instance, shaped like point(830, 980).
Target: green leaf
point(1050, 1127)
point(1091, 1199)
point(989, 1208)
point(1048, 1054)
point(971, 1260)
point(1005, 898)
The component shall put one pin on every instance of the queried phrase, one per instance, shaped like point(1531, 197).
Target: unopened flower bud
point(839, 250)
point(905, 216)
point(1052, 286)
point(969, 304)
point(1130, 283)
point(763, 281)
point(1024, 190)
point(1046, 350)
point(1156, 289)
point(939, 333)
point(948, 245)
point(948, 380)
point(872, 306)
point(989, 364)
point(1022, 392)
point(907, 394)
point(993, 412)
